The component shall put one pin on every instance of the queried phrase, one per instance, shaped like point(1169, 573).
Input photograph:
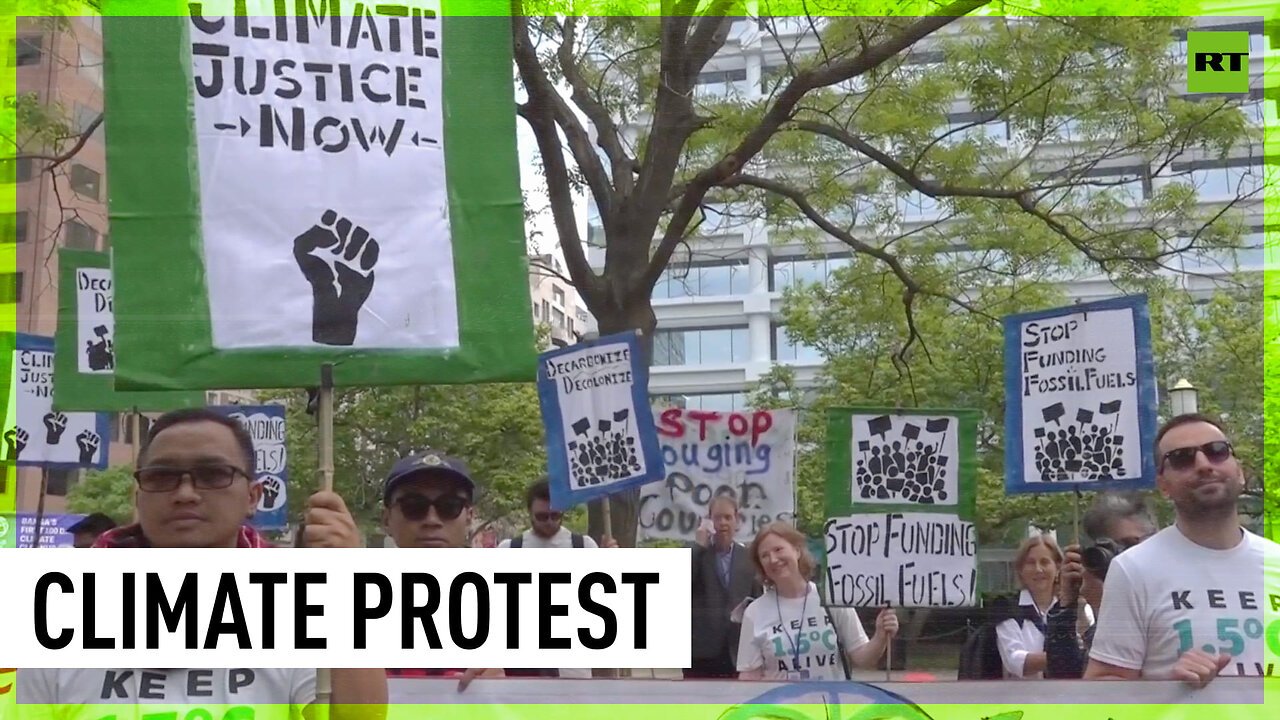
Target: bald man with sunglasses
point(1189, 603)
point(428, 501)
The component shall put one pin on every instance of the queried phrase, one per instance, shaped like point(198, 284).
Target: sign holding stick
point(1080, 398)
point(901, 491)
point(599, 426)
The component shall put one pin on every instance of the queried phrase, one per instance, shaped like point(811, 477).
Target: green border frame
point(164, 336)
point(838, 499)
point(77, 391)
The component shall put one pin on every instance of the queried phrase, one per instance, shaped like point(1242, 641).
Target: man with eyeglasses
point(196, 489)
point(1188, 604)
point(546, 530)
point(428, 501)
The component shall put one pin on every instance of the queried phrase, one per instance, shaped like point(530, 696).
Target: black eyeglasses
point(547, 516)
point(1183, 458)
point(163, 478)
point(416, 507)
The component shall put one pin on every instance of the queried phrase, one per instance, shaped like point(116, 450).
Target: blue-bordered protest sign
point(599, 426)
point(265, 424)
point(1080, 397)
point(38, 435)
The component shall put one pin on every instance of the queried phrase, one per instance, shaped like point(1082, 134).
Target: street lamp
point(1183, 398)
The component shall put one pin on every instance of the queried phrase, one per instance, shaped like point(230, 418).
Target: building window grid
point(701, 346)
point(704, 279)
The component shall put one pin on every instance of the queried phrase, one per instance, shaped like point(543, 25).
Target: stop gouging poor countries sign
point(1080, 397)
point(355, 198)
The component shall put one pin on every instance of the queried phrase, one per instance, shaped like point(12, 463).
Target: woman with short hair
point(787, 634)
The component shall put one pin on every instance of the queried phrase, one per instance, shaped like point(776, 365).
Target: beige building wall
point(555, 302)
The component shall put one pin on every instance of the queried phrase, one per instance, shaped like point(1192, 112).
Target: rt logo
point(1217, 61)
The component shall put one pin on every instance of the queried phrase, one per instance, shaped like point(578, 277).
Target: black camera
point(1097, 558)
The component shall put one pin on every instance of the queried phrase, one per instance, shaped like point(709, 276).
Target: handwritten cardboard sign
point(748, 455)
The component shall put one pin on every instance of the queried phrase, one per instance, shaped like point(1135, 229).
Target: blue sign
point(601, 437)
point(38, 435)
point(53, 530)
point(265, 424)
point(1080, 398)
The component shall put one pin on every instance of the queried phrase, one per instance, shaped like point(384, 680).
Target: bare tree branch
point(780, 112)
point(912, 287)
point(56, 160)
point(606, 131)
point(539, 113)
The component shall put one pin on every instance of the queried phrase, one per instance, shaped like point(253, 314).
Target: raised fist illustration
point(271, 488)
point(55, 423)
point(341, 279)
point(88, 443)
point(16, 438)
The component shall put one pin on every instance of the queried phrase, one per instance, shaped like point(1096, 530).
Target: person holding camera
point(1114, 523)
point(1188, 604)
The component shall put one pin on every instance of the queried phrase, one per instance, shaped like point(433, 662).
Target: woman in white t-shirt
point(1020, 639)
point(786, 633)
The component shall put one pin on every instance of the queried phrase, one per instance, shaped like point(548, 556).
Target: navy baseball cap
point(428, 462)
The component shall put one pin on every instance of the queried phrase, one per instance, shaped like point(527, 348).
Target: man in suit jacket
point(723, 576)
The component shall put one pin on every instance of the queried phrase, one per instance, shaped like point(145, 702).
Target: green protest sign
point(900, 502)
point(361, 208)
point(84, 356)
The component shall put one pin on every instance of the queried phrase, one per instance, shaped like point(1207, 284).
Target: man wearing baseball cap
point(87, 530)
point(428, 502)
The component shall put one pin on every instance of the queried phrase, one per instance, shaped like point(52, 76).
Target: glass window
point(11, 288)
point(558, 295)
point(91, 66)
point(15, 170)
point(13, 227)
point(80, 236)
point(84, 116)
point(546, 311)
point(714, 280)
point(85, 182)
point(786, 349)
point(559, 317)
point(717, 346)
point(26, 50)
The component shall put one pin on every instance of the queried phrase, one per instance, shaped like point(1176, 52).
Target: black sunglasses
point(416, 507)
point(163, 478)
point(547, 516)
point(1183, 458)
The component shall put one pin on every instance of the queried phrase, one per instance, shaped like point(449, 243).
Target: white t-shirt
point(793, 638)
point(274, 694)
point(1169, 595)
point(562, 539)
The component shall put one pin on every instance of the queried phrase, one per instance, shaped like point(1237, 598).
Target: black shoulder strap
point(844, 661)
point(577, 540)
point(517, 541)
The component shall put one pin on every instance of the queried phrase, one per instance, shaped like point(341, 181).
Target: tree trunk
point(624, 506)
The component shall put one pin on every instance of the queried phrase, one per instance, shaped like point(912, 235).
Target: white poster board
point(1081, 401)
point(748, 454)
point(41, 435)
point(95, 321)
point(905, 459)
point(901, 559)
point(345, 132)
